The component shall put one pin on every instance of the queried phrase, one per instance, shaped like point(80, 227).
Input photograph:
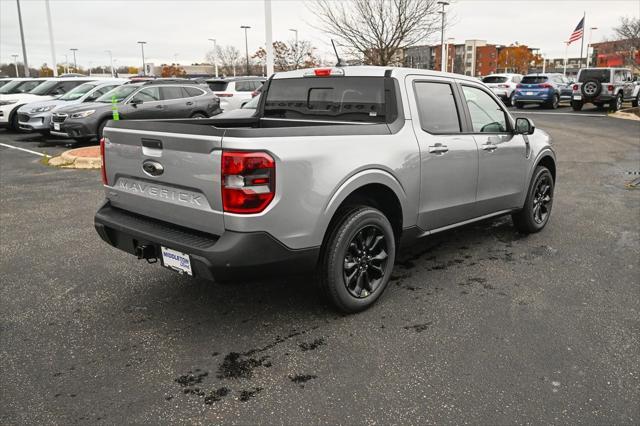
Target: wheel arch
point(374, 187)
point(547, 160)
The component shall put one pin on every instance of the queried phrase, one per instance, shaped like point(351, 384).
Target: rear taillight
point(518, 86)
point(575, 87)
point(103, 167)
point(223, 95)
point(610, 88)
point(546, 86)
point(248, 181)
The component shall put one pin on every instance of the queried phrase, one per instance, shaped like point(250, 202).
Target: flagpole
point(582, 38)
point(566, 48)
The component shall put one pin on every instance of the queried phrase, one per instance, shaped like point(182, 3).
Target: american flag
point(578, 32)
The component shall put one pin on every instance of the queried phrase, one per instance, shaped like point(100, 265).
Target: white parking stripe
point(25, 150)
point(559, 113)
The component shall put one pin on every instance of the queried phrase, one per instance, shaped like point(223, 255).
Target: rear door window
point(361, 99)
point(534, 79)
point(193, 91)
point(437, 107)
point(486, 114)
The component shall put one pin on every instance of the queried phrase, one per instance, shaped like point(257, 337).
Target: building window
point(469, 47)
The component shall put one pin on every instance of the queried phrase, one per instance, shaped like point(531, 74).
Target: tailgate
point(180, 182)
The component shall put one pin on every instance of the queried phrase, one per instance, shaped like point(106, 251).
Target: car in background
point(503, 85)
point(36, 116)
point(247, 110)
point(153, 99)
point(44, 90)
point(235, 91)
point(6, 80)
point(545, 90)
point(602, 86)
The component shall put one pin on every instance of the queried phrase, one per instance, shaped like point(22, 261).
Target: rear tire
point(616, 104)
point(198, 115)
point(577, 106)
point(519, 105)
point(358, 259)
point(554, 102)
point(511, 99)
point(537, 207)
point(636, 101)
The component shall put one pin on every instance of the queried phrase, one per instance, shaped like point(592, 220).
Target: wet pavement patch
point(418, 328)
point(300, 379)
point(311, 346)
point(216, 395)
point(239, 366)
point(191, 378)
point(246, 395)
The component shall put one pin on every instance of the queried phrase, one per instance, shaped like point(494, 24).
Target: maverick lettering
point(159, 192)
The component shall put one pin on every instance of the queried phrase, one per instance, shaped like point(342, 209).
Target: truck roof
point(375, 71)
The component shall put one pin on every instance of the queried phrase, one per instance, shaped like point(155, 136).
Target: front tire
point(537, 207)
point(358, 259)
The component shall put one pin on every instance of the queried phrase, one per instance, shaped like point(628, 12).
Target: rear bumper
point(230, 255)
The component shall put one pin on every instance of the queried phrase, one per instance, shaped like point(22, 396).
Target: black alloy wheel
point(365, 262)
point(542, 199)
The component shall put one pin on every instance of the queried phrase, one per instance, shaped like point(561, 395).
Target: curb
point(79, 158)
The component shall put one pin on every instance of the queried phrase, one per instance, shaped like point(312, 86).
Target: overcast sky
point(182, 27)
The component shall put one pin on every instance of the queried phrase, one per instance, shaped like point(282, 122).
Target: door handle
point(159, 107)
point(438, 149)
point(489, 147)
point(189, 103)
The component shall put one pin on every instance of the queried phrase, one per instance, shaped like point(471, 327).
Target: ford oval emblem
point(152, 168)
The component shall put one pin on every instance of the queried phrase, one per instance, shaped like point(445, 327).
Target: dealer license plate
point(178, 261)
point(56, 126)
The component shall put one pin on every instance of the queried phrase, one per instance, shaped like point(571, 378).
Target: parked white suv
point(236, 91)
point(503, 85)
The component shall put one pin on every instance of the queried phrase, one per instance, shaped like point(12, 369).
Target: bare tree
point(628, 34)
point(228, 59)
point(378, 30)
point(289, 56)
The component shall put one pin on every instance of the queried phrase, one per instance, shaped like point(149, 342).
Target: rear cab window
point(348, 99)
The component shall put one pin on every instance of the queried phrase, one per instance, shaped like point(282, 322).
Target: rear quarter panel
point(315, 174)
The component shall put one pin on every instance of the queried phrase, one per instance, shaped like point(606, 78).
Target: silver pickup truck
point(337, 168)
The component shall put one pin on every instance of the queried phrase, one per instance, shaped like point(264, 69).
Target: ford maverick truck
point(337, 168)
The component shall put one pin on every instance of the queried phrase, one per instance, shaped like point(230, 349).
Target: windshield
point(3, 82)
point(491, 79)
point(600, 75)
point(534, 79)
point(20, 86)
point(78, 92)
point(119, 93)
point(362, 99)
point(44, 88)
point(253, 103)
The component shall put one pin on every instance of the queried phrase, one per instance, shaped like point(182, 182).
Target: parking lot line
point(25, 150)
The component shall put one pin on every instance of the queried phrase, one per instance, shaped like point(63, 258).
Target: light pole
point(443, 63)
point(142, 43)
point(66, 63)
point(246, 44)
point(589, 44)
point(15, 64)
point(295, 48)
point(268, 36)
point(110, 60)
point(24, 48)
point(51, 45)
point(75, 64)
point(215, 55)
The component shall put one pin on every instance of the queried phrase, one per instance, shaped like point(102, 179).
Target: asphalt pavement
point(479, 325)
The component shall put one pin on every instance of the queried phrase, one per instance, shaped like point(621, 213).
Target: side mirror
point(524, 126)
point(136, 102)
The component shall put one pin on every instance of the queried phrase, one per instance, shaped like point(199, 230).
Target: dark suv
point(157, 99)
